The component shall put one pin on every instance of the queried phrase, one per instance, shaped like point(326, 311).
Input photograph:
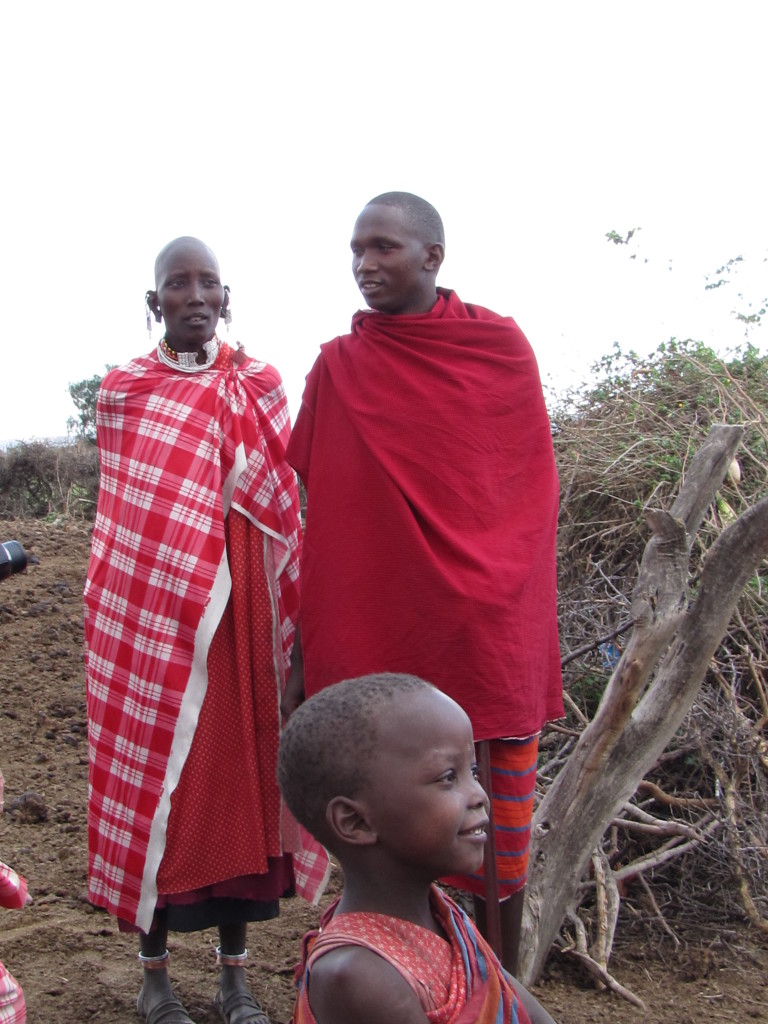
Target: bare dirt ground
point(71, 960)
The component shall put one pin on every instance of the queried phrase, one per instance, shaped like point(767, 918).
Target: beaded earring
point(226, 313)
point(149, 315)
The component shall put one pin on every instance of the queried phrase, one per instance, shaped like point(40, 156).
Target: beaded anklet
point(231, 959)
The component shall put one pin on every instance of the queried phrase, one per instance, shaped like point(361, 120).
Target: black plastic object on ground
point(12, 558)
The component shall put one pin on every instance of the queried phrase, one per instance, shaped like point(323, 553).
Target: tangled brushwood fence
point(694, 826)
point(42, 480)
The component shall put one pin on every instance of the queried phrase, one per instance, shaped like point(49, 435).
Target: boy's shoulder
point(352, 983)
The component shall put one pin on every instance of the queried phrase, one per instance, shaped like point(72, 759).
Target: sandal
point(167, 1011)
point(240, 1000)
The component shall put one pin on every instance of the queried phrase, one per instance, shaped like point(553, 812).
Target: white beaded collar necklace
point(187, 361)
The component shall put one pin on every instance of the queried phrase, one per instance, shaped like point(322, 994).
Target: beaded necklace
point(187, 361)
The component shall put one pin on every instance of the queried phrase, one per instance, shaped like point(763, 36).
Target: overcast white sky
point(263, 128)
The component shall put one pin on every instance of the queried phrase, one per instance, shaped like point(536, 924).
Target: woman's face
point(189, 295)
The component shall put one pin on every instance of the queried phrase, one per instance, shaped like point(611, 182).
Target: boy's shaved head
point(184, 242)
point(422, 216)
point(328, 744)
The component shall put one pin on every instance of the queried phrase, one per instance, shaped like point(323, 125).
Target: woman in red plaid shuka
point(190, 609)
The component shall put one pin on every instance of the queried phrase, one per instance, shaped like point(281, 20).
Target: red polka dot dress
point(223, 836)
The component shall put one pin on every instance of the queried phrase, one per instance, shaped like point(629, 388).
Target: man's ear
point(225, 303)
point(152, 304)
point(435, 257)
point(348, 821)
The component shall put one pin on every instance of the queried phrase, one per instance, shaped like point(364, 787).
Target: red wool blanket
point(177, 451)
point(425, 447)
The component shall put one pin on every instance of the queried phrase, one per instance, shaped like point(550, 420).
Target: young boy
point(382, 771)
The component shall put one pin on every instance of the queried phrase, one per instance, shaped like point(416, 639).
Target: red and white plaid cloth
point(13, 895)
point(13, 1008)
point(177, 451)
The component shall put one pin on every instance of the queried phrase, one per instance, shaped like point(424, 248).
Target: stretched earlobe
point(150, 305)
point(150, 300)
point(435, 256)
point(226, 312)
point(348, 821)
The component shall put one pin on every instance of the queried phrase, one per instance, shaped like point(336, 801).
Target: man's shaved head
point(186, 242)
point(421, 215)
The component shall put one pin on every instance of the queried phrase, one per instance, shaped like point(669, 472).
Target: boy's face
point(394, 268)
point(426, 805)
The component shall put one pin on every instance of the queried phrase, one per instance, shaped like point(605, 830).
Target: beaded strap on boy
point(231, 959)
point(155, 963)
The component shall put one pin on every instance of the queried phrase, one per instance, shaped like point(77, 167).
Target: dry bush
point(39, 480)
point(697, 827)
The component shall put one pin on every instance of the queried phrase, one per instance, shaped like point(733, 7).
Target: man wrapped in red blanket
point(425, 447)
